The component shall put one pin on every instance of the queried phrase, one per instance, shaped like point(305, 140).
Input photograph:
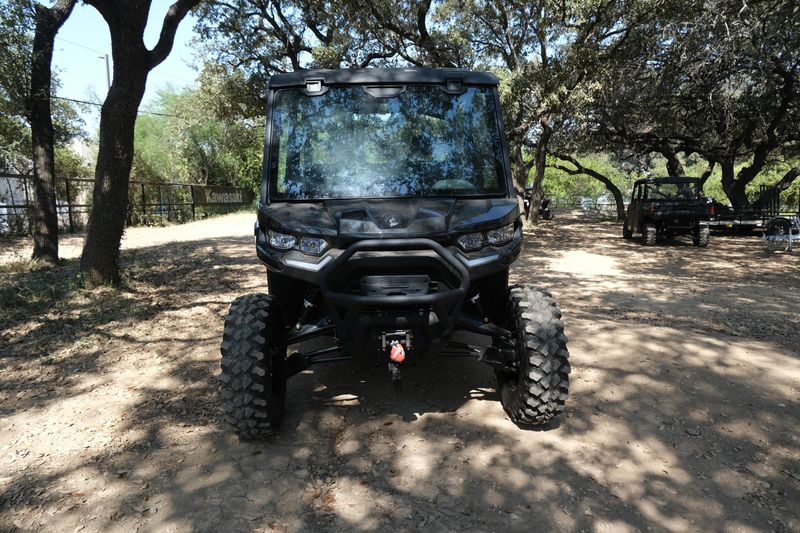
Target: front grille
point(396, 285)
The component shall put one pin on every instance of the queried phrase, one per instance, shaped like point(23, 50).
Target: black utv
point(387, 222)
point(662, 208)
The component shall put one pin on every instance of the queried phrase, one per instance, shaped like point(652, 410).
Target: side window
point(638, 193)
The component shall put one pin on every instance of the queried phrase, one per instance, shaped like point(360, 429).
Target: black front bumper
point(362, 315)
point(434, 311)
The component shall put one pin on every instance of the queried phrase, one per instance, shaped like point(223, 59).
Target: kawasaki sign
point(210, 195)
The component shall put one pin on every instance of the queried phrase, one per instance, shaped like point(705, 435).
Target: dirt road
point(684, 412)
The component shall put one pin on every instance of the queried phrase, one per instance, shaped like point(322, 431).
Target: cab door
point(633, 209)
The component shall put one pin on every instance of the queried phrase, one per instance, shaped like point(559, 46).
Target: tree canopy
point(16, 41)
point(713, 79)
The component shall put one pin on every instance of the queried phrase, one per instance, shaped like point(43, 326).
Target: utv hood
point(389, 218)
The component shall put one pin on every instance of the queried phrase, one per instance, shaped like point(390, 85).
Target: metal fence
point(148, 203)
point(601, 206)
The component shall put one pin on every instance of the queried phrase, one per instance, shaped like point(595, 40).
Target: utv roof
point(670, 179)
point(347, 76)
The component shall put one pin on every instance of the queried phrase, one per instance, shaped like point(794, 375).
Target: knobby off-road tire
point(254, 390)
point(700, 236)
point(536, 394)
point(649, 235)
point(626, 233)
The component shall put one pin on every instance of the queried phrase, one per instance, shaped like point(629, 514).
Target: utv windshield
point(355, 142)
point(672, 191)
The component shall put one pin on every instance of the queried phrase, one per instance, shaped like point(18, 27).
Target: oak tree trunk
point(615, 192)
point(707, 173)
point(734, 188)
point(674, 165)
point(520, 170)
point(540, 162)
point(133, 61)
point(100, 258)
point(45, 217)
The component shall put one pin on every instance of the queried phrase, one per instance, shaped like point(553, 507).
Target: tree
point(261, 38)
point(27, 31)
point(546, 53)
point(208, 134)
point(718, 79)
point(45, 227)
point(545, 50)
point(133, 61)
point(16, 23)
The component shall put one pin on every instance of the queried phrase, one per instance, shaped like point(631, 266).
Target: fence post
point(161, 205)
point(28, 206)
point(191, 189)
point(69, 207)
point(144, 207)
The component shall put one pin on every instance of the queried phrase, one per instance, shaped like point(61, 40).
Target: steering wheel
point(453, 184)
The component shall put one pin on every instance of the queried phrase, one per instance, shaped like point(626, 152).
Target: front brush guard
point(345, 307)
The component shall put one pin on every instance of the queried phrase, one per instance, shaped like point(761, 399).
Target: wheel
point(777, 233)
point(537, 392)
point(778, 227)
point(626, 233)
point(700, 236)
point(649, 235)
point(254, 390)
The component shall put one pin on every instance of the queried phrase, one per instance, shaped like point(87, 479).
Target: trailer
point(726, 218)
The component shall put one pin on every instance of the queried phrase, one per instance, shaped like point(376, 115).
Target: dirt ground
point(684, 412)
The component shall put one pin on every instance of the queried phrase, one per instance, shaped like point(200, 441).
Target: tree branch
point(580, 169)
point(674, 165)
point(707, 172)
point(372, 56)
point(108, 10)
point(172, 19)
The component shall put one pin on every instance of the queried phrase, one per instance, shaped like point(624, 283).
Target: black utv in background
point(662, 208)
point(544, 209)
point(388, 222)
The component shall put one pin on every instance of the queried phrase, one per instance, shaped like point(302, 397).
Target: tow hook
point(396, 342)
point(397, 354)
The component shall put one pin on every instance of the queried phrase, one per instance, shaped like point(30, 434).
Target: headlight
point(312, 245)
point(500, 235)
point(281, 241)
point(470, 241)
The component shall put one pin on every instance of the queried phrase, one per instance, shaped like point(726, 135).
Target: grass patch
point(21, 265)
point(29, 286)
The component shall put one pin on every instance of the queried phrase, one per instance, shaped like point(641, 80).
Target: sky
point(83, 41)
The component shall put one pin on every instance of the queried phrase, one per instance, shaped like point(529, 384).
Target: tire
point(778, 226)
point(537, 392)
point(700, 236)
point(254, 390)
point(626, 233)
point(649, 235)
